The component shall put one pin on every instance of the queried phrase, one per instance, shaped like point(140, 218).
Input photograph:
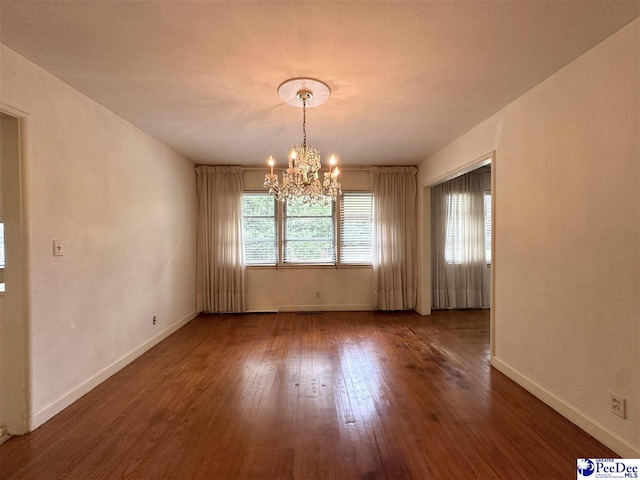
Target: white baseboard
point(325, 308)
point(40, 417)
point(593, 428)
point(307, 308)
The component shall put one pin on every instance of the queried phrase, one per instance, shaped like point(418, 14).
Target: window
point(309, 233)
point(487, 227)
point(459, 227)
point(259, 229)
point(356, 228)
point(279, 233)
point(457, 206)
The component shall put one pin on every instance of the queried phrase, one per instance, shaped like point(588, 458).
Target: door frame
point(15, 361)
point(426, 299)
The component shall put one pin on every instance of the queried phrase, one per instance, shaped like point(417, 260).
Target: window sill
point(488, 265)
point(308, 266)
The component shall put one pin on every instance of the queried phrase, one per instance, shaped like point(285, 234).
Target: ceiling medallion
point(301, 180)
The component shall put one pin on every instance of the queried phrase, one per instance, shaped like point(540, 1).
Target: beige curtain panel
point(395, 273)
point(460, 277)
point(221, 269)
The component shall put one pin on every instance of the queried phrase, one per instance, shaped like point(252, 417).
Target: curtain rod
point(342, 169)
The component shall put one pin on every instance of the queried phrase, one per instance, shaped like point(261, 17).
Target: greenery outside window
point(259, 229)
point(309, 233)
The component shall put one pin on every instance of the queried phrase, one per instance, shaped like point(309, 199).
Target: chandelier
point(301, 180)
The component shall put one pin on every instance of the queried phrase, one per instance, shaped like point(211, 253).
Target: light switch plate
point(58, 248)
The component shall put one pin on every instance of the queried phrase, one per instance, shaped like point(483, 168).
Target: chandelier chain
point(304, 122)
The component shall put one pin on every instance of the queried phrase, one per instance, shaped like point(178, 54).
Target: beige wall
point(294, 288)
point(125, 206)
point(567, 204)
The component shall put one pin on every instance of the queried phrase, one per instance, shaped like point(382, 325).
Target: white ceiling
point(406, 77)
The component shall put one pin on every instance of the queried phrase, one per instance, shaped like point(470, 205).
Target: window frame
point(280, 226)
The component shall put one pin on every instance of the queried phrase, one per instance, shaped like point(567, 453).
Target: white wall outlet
point(155, 319)
point(317, 293)
point(58, 248)
point(619, 406)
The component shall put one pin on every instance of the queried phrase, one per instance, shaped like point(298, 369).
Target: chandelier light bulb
point(332, 162)
point(335, 172)
point(271, 163)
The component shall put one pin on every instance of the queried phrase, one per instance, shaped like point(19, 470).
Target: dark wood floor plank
point(344, 395)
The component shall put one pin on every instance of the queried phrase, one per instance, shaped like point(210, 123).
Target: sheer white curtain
point(459, 276)
point(221, 272)
point(395, 272)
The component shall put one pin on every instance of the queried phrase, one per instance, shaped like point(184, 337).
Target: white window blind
point(487, 226)
point(356, 228)
point(259, 229)
point(458, 206)
point(309, 233)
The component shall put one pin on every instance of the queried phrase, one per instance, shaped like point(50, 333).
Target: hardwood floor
point(364, 395)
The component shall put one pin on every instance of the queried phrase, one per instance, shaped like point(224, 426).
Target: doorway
point(426, 287)
point(13, 331)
